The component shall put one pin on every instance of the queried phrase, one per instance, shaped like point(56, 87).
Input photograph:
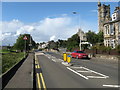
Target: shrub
point(118, 48)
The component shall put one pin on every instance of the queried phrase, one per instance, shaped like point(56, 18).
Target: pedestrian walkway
point(23, 78)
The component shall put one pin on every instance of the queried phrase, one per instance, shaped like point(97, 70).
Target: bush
point(118, 48)
point(102, 48)
point(10, 59)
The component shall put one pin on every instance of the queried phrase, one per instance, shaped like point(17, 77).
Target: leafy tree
point(100, 37)
point(92, 37)
point(73, 42)
point(118, 48)
point(52, 45)
point(20, 43)
point(62, 43)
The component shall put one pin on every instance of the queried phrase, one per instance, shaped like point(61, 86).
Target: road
point(82, 74)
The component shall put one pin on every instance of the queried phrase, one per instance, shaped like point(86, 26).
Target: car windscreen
point(80, 52)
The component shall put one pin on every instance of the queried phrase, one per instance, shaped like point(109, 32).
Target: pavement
point(23, 78)
point(82, 74)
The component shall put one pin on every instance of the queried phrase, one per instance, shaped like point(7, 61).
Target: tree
point(20, 43)
point(100, 37)
point(62, 43)
point(92, 37)
point(52, 45)
point(73, 42)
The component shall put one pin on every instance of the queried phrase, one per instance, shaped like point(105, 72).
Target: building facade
point(103, 15)
point(110, 26)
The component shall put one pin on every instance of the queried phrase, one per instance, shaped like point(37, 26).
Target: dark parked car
point(79, 54)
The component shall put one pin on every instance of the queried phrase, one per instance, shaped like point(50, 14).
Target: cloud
point(52, 37)
point(47, 29)
point(44, 30)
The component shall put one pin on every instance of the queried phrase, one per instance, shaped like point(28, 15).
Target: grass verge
point(10, 59)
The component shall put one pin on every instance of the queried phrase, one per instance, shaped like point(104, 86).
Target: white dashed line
point(115, 86)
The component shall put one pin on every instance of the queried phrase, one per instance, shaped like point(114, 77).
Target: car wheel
point(77, 57)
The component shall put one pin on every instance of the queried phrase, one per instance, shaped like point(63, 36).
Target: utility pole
point(79, 29)
point(79, 34)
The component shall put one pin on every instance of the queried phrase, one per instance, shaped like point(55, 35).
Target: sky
point(48, 20)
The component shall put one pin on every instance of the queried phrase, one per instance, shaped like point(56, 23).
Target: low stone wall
point(100, 56)
point(107, 57)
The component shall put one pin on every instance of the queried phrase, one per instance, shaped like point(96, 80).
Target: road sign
point(25, 38)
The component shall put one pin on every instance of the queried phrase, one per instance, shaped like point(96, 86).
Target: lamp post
point(79, 30)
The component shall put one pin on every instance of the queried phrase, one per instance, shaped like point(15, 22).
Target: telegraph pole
point(79, 30)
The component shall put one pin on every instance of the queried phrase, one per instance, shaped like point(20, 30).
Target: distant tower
point(103, 15)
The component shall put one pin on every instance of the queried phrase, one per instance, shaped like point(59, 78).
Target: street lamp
point(79, 30)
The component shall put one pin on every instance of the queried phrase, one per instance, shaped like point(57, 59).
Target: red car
point(79, 54)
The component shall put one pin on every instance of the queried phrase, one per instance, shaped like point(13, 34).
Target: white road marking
point(86, 70)
point(96, 72)
point(77, 73)
point(60, 59)
point(83, 71)
point(49, 57)
point(116, 86)
point(76, 67)
point(53, 60)
point(95, 77)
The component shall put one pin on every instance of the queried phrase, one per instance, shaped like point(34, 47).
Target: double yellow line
point(39, 76)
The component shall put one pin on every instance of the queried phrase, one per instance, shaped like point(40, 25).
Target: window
point(112, 29)
point(113, 43)
point(108, 29)
point(105, 29)
point(108, 43)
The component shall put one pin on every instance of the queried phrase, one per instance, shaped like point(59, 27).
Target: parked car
point(79, 54)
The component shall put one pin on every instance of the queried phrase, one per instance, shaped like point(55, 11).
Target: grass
point(9, 59)
point(4, 51)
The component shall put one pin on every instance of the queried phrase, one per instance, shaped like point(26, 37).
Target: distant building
point(42, 46)
point(82, 35)
point(110, 26)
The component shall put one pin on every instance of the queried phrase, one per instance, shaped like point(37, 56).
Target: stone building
point(110, 26)
point(103, 15)
point(112, 30)
point(82, 35)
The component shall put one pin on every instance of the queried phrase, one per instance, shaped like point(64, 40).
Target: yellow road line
point(39, 85)
point(43, 82)
point(38, 78)
point(41, 76)
point(36, 66)
point(44, 86)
